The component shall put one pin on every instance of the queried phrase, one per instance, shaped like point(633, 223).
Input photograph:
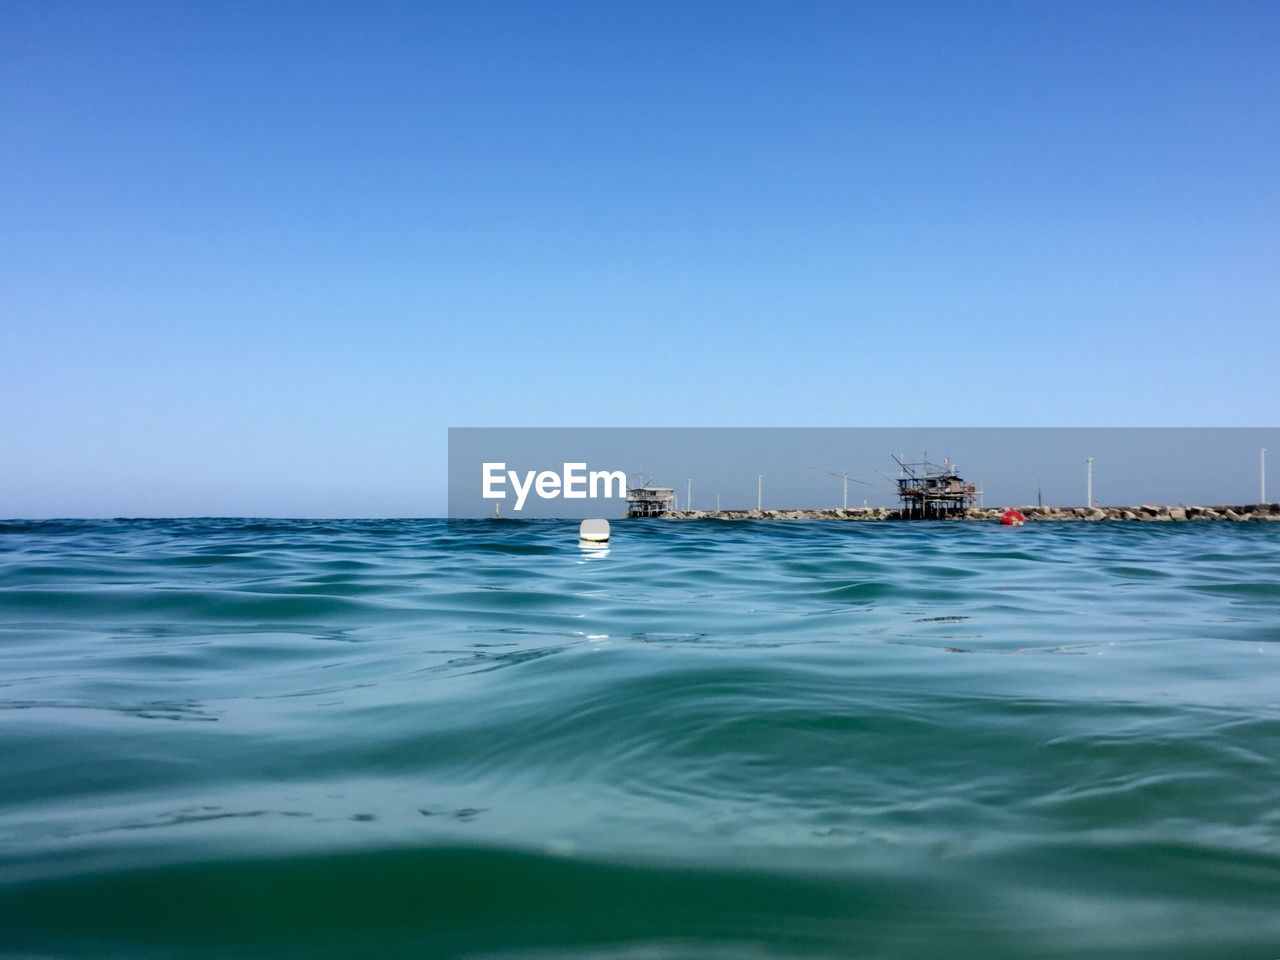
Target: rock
point(1146, 513)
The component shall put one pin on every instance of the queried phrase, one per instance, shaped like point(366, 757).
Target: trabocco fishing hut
point(650, 501)
point(932, 491)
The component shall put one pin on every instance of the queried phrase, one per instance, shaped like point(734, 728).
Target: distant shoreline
point(1145, 513)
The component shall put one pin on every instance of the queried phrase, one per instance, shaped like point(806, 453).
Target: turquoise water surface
point(246, 739)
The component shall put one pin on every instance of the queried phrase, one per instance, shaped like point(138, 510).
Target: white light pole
point(717, 503)
point(846, 489)
point(1089, 483)
point(759, 490)
point(1262, 476)
point(688, 495)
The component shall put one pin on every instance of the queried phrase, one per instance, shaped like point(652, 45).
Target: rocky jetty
point(1147, 512)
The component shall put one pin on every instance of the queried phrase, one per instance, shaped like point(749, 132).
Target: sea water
point(229, 738)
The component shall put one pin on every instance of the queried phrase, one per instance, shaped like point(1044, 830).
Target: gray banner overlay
point(572, 473)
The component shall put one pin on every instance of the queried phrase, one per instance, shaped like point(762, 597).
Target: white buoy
point(594, 531)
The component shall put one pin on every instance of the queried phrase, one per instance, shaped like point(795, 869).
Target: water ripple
point(422, 738)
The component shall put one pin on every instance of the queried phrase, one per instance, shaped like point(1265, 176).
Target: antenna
point(906, 471)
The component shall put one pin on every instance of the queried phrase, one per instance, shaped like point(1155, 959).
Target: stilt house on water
point(650, 501)
point(931, 491)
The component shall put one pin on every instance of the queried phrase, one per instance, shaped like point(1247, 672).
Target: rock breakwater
point(1147, 512)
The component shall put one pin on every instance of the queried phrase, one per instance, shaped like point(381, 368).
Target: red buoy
point(1013, 518)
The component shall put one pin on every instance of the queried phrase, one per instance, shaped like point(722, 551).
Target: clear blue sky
point(255, 258)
